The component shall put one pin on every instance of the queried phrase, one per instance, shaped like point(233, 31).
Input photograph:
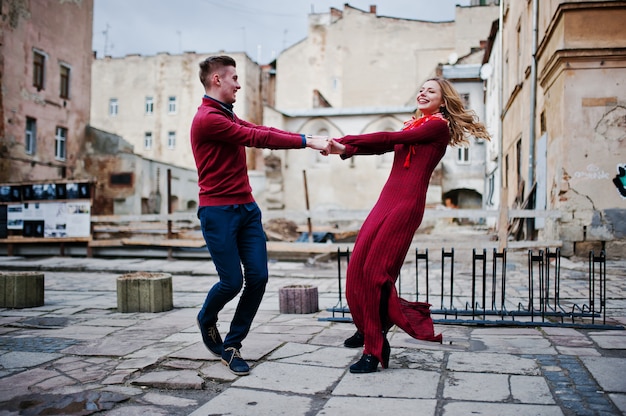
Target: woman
point(385, 237)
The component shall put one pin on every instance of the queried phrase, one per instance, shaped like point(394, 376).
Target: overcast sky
point(263, 28)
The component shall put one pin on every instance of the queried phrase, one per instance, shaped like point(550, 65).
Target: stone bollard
point(298, 299)
point(144, 292)
point(21, 289)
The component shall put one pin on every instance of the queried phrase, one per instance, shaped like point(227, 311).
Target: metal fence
point(489, 299)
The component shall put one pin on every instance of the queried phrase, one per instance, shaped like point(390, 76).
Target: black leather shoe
point(367, 364)
point(232, 359)
point(355, 341)
point(212, 339)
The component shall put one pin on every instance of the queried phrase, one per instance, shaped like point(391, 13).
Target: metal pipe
point(533, 99)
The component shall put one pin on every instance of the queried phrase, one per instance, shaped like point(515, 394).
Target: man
point(229, 216)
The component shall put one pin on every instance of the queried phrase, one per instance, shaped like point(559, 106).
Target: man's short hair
point(211, 64)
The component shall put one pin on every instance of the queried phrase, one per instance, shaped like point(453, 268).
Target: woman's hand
point(321, 143)
point(336, 148)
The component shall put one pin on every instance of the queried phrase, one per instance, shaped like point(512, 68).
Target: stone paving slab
point(491, 363)
point(399, 383)
point(620, 401)
point(609, 372)
point(499, 409)
point(20, 359)
point(292, 378)
point(305, 354)
point(240, 401)
point(342, 406)
point(614, 340)
point(176, 380)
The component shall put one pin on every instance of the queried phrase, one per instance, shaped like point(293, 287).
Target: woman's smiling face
point(430, 98)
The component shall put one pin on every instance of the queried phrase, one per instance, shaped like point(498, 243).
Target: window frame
point(60, 143)
point(149, 106)
point(39, 69)
point(30, 136)
point(113, 104)
point(171, 140)
point(64, 81)
point(464, 157)
point(172, 104)
point(148, 140)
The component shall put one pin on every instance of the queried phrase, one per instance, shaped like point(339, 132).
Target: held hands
point(325, 145)
point(336, 148)
point(320, 143)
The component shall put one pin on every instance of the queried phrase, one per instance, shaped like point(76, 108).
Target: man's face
point(228, 84)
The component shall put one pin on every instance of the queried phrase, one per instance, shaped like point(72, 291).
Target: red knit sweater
point(218, 142)
point(385, 237)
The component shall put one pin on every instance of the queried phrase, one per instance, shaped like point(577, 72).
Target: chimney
point(373, 9)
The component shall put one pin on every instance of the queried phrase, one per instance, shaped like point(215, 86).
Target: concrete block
point(582, 248)
point(144, 292)
point(572, 232)
point(298, 299)
point(615, 250)
point(21, 289)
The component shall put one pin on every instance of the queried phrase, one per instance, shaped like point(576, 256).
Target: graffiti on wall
point(592, 172)
point(620, 180)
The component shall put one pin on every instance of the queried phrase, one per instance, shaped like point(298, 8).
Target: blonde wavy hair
point(463, 123)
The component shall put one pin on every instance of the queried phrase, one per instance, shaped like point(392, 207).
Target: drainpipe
point(533, 99)
point(501, 97)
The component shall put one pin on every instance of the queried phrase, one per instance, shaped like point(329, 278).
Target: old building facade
point(563, 115)
point(151, 100)
point(45, 71)
point(358, 72)
point(130, 184)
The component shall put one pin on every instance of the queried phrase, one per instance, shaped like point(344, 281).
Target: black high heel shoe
point(386, 353)
point(355, 341)
point(367, 364)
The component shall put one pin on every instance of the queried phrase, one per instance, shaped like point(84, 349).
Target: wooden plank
point(18, 239)
point(534, 244)
point(163, 243)
point(116, 242)
point(179, 216)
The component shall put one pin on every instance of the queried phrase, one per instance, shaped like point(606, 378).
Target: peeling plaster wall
point(583, 98)
point(62, 31)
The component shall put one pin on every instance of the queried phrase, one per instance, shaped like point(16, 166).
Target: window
point(518, 156)
point(60, 143)
point(147, 140)
point(64, 91)
point(171, 140)
point(121, 179)
point(466, 100)
point(113, 107)
point(30, 143)
point(39, 70)
point(463, 155)
point(506, 171)
point(171, 105)
point(149, 105)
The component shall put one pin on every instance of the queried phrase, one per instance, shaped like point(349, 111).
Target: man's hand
point(321, 143)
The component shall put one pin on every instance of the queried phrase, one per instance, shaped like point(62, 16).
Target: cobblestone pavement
point(77, 355)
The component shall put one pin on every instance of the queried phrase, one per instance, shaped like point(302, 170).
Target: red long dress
point(386, 235)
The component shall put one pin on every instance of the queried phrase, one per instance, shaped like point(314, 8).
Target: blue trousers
point(234, 236)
